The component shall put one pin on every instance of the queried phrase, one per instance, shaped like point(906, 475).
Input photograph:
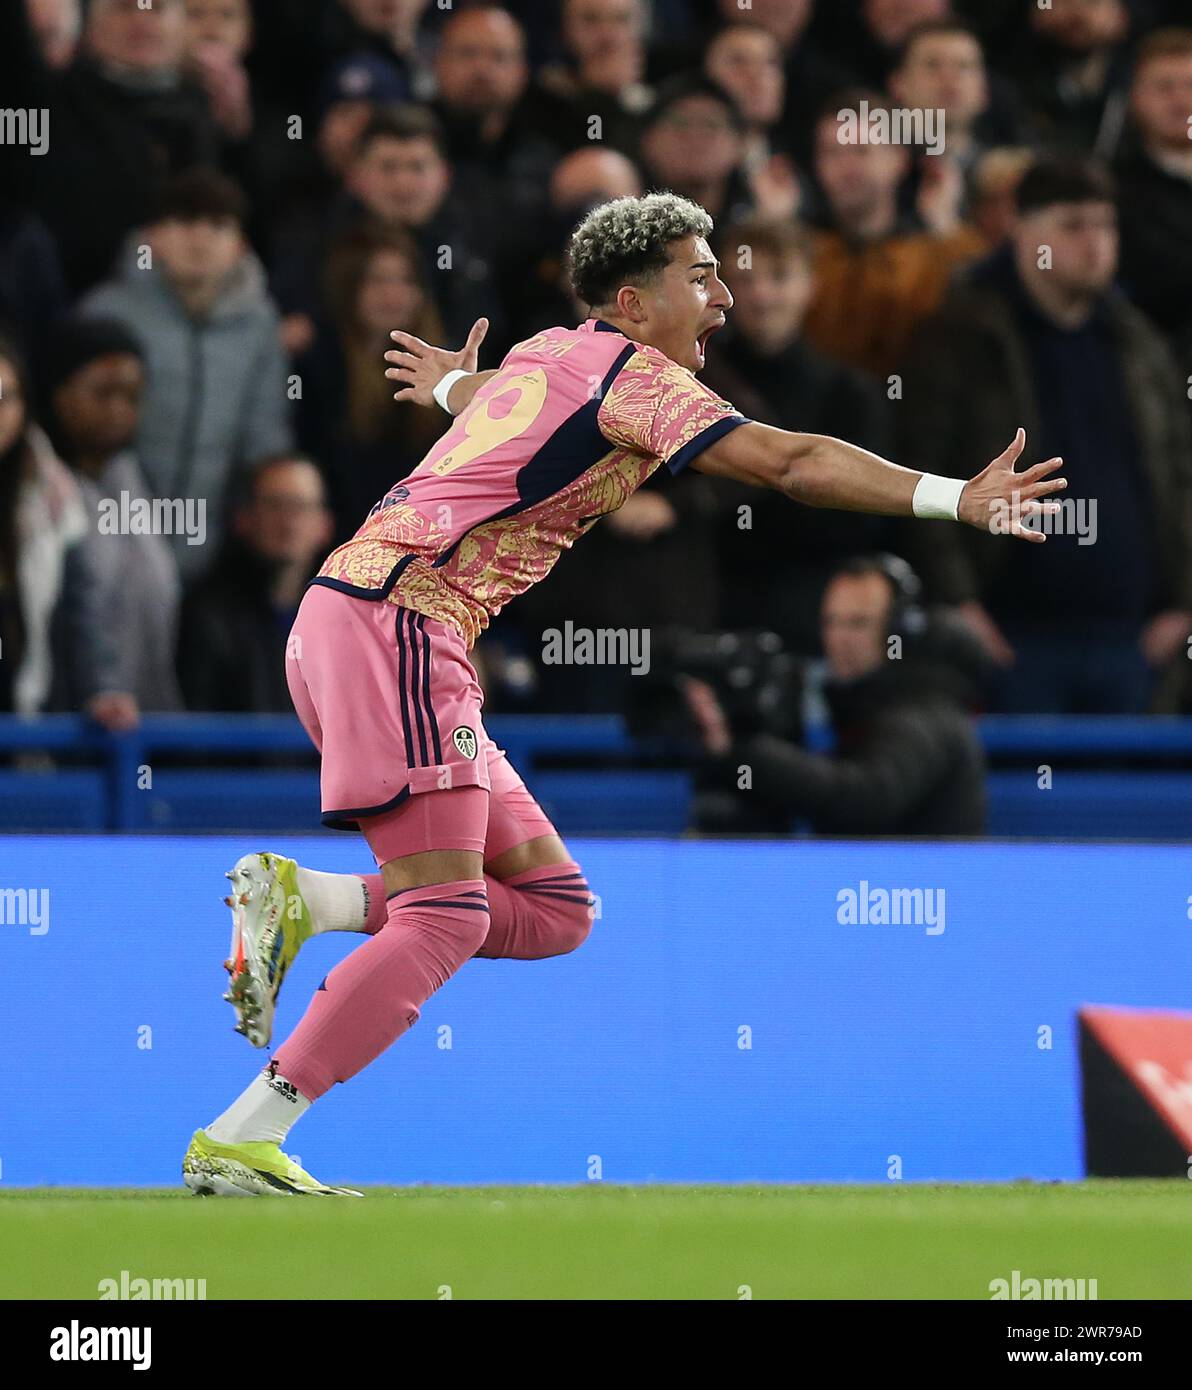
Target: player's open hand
point(418, 367)
point(1008, 503)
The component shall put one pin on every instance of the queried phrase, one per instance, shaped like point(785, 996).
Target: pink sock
point(540, 912)
point(374, 995)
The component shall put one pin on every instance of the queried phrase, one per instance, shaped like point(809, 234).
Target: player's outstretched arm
point(824, 472)
point(418, 367)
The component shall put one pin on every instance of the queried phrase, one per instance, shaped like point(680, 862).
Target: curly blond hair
point(625, 242)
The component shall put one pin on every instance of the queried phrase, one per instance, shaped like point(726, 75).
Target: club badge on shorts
point(465, 740)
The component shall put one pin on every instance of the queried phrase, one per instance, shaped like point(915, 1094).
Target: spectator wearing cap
point(1040, 338)
point(879, 271)
point(1155, 187)
point(216, 389)
point(776, 559)
point(313, 205)
point(125, 118)
point(694, 144)
point(390, 32)
point(598, 92)
point(55, 634)
point(93, 381)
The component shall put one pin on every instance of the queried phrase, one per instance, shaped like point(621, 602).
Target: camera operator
point(907, 760)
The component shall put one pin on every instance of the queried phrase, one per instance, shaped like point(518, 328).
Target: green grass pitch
point(896, 1241)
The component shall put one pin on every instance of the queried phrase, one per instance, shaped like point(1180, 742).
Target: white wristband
point(443, 389)
point(937, 498)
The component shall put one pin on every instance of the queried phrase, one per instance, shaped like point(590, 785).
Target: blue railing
point(159, 776)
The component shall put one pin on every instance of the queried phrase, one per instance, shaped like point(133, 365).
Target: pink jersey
point(575, 420)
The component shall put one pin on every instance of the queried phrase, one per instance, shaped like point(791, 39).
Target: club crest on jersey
point(465, 740)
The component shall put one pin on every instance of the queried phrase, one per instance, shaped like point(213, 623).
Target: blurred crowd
point(234, 203)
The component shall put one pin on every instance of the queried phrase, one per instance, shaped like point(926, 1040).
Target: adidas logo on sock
point(283, 1088)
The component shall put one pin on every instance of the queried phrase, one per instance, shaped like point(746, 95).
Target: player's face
point(686, 303)
point(853, 620)
point(100, 404)
point(1162, 100)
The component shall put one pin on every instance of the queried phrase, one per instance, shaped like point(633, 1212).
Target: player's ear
point(631, 304)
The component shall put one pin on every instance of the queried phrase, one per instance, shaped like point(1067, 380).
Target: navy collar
point(602, 326)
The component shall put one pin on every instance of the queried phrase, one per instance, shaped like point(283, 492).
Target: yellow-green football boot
point(257, 1169)
point(270, 923)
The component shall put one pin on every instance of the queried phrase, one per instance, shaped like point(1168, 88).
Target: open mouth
point(701, 343)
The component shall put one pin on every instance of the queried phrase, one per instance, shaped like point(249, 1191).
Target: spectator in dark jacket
point(1074, 73)
point(235, 625)
point(1155, 188)
point(124, 120)
point(907, 759)
point(776, 558)
point(482, 77)
point(399, 176)
point(693, 143)
point(1039, 338)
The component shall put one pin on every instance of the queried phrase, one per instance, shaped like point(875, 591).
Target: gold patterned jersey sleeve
point(657, 408)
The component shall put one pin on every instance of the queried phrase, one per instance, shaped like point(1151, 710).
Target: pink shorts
point(390, 700)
